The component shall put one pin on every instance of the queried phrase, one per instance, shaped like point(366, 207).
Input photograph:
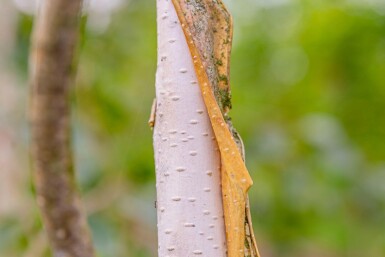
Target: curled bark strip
point(207, 26)
point(51, 75)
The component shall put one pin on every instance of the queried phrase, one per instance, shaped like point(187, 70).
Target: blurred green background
point(308, 84)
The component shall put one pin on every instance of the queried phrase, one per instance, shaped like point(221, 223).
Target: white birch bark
point(189, 200)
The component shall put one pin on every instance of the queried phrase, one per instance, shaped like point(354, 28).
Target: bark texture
point(189, 200)
point(54, 42)
point(207, 26)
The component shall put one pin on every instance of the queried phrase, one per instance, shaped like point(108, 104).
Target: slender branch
point(54, 42)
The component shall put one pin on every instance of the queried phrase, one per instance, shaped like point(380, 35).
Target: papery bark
point(189, 200)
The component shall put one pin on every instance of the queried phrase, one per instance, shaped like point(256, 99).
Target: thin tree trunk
point(207, 32)
point(189, 200)
point(54, 42)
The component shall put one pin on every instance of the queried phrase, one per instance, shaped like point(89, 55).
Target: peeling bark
point(189, 200)
point(207, 27)
point(54, 42)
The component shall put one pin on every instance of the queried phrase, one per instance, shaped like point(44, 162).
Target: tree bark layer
point(189, 201)
point(54, 42)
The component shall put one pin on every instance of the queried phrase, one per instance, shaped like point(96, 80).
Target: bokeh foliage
point(308, 85)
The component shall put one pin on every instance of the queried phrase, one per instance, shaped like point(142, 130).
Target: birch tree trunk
point(51, 76)
point(189, 200)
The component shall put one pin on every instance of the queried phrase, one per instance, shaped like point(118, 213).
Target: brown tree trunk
point(54, 42)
